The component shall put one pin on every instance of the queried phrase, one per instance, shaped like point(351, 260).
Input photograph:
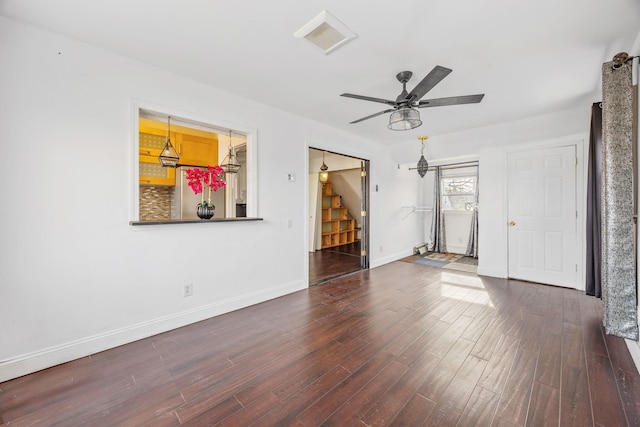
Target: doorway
point(542, 216)
point(338, 224)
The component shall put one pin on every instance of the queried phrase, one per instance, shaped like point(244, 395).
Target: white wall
point(457, 229)
point(393, 235)
point(75, 277)
point(492, 231)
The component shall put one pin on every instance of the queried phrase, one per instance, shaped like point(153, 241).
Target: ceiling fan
point(404, 115)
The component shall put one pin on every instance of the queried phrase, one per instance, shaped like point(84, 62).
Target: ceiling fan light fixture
point(404, 118)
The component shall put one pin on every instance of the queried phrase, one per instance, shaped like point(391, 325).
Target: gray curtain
point(472, 246)
point(618, 242)
point(594, 199)
point(438, 237)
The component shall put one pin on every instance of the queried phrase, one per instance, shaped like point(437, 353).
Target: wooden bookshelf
point(338, 226)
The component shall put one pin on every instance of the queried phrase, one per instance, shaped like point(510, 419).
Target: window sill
point(193, 221)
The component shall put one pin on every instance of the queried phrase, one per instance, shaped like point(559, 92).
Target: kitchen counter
point(193, 221)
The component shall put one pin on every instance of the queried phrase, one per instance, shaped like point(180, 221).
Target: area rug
point(437, 256)
point(445, 260)
point(430, 262)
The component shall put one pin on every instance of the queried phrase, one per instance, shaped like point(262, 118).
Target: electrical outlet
point(289, 223)
point(187, 289)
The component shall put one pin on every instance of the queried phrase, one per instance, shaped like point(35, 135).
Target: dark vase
point(205, 212)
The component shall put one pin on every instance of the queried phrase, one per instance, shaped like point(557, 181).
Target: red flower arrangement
point(201, 179)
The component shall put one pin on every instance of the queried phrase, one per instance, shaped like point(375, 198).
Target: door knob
point(512, 223)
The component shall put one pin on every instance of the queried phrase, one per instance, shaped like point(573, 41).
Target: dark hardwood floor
point(402, 344)
point(333, 262)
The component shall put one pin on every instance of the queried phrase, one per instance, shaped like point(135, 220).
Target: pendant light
point(324, 174)
point(230, 164)
point(423, 166)
point(168, 156)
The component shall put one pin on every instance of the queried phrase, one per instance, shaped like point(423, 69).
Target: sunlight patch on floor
point(465, 288)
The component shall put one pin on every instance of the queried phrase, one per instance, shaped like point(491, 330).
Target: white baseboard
point(491, 273)
point(634, 349)
point(460, 250)
point(390, 258)
point(35, 361)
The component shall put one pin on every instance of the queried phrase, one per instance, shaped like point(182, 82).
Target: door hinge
point(363, 213)
point(363, 173)
point(363, 253)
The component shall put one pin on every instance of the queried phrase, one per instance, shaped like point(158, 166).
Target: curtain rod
point(452, 165)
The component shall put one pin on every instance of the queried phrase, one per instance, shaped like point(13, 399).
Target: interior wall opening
point(338, 240)
point(165, 193)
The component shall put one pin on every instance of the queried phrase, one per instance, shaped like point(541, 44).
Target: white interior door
point(542, 216)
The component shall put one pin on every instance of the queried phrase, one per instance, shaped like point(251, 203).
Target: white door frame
point(581, 179)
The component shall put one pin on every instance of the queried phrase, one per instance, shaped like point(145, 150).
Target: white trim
point(307, 173)
point(251, 135)
point(634, 350)
point(456, 249)
point(499, 273)
point(389, 258)
point(48, 357)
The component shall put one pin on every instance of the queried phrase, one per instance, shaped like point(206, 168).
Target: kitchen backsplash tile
point(155, 203)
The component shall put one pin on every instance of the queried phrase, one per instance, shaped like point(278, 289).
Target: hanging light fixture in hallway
point(324, 174)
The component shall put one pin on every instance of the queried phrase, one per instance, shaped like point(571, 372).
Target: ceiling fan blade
point(369, 98)
point(433, 78)
point(372, 116)
point(452, 100)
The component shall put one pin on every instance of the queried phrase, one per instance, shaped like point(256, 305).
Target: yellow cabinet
point(194, 146)
point(152, 137)
point(197, 150)
point(152, 173)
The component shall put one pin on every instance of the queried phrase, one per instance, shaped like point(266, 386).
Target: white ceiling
point(530, 58)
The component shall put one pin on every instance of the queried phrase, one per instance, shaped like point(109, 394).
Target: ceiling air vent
point(326, 32)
